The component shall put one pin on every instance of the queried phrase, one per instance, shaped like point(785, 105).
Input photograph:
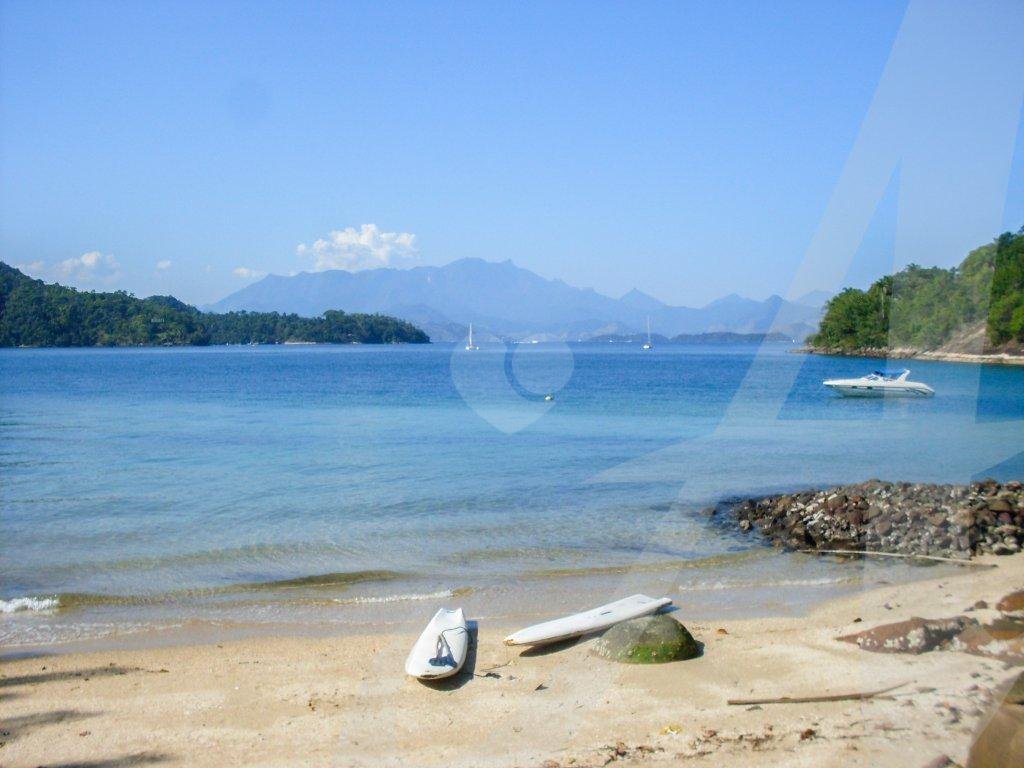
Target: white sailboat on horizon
point(648, 345)
point(471, 347)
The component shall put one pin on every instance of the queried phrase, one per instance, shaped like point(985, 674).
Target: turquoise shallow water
point(158, 487)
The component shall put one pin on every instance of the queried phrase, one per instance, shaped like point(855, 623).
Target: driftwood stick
point(815, 699)
point(936, 558)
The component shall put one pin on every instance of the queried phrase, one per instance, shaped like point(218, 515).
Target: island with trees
point(38, 314)
point(973, 312)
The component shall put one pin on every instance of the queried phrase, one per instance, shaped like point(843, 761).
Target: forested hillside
point(36, 314)
point(923, 307)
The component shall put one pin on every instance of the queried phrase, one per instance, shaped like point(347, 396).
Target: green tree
point(922, 307)
point(33, 313)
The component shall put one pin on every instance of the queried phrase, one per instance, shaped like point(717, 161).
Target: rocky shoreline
point(956, 521)
point(901, 353)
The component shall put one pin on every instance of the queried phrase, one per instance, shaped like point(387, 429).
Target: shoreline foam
point(29, 604)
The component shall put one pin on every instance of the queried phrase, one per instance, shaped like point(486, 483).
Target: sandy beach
point(345, 702)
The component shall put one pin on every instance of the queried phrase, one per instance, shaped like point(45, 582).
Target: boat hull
point(862, 390)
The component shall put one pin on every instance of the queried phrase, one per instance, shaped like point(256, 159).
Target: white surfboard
point(585, 623)
point(441, 649)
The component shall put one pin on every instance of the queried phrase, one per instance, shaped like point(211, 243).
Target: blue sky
point(690, 151)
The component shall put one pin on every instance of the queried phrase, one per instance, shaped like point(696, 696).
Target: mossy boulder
point(647, 640)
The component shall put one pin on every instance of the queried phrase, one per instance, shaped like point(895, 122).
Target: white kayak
point(585, 623)
point(441, 649)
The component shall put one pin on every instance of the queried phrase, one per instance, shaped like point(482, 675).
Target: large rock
point(1012, 604)
point(647, 640)
point(1003, 640)
point(914, 635)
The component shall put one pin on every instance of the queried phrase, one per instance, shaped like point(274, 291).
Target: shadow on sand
point(55, 676)
point(555, 647)
point(21, 655)
point(15, 727)
point(125, 761)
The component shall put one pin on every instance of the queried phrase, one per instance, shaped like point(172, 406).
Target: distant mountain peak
point(507, 301)
point(637, 298)
point(634, 294)
point(731, 298)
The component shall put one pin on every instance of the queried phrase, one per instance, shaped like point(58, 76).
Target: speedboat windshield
point(888, 375)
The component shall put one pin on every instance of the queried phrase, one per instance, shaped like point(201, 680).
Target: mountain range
point(505, 301)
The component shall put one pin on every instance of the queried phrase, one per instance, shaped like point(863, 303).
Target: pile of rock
point(909, 518)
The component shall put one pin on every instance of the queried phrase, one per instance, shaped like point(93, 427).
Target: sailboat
point(648, 345)
point(471, 346)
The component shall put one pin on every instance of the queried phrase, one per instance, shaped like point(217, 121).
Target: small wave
point(78, 600)
point(72, 600)
point(495, 554)
point(711, 561)
point(376, 599)
point(242, 555)
point(337, 579)
point(721, 585)
point(33, 604)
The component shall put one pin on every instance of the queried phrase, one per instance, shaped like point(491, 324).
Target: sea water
point(294, 488)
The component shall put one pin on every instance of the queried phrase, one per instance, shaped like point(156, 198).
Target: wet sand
point(344, 701)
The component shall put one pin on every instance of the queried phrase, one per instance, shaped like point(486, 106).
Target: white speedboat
point(880, 384)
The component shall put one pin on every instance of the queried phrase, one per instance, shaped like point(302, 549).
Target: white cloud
point(89, 268)
point(365, 248)
point(163, 264)
point(247, 273)
point(32, 267)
